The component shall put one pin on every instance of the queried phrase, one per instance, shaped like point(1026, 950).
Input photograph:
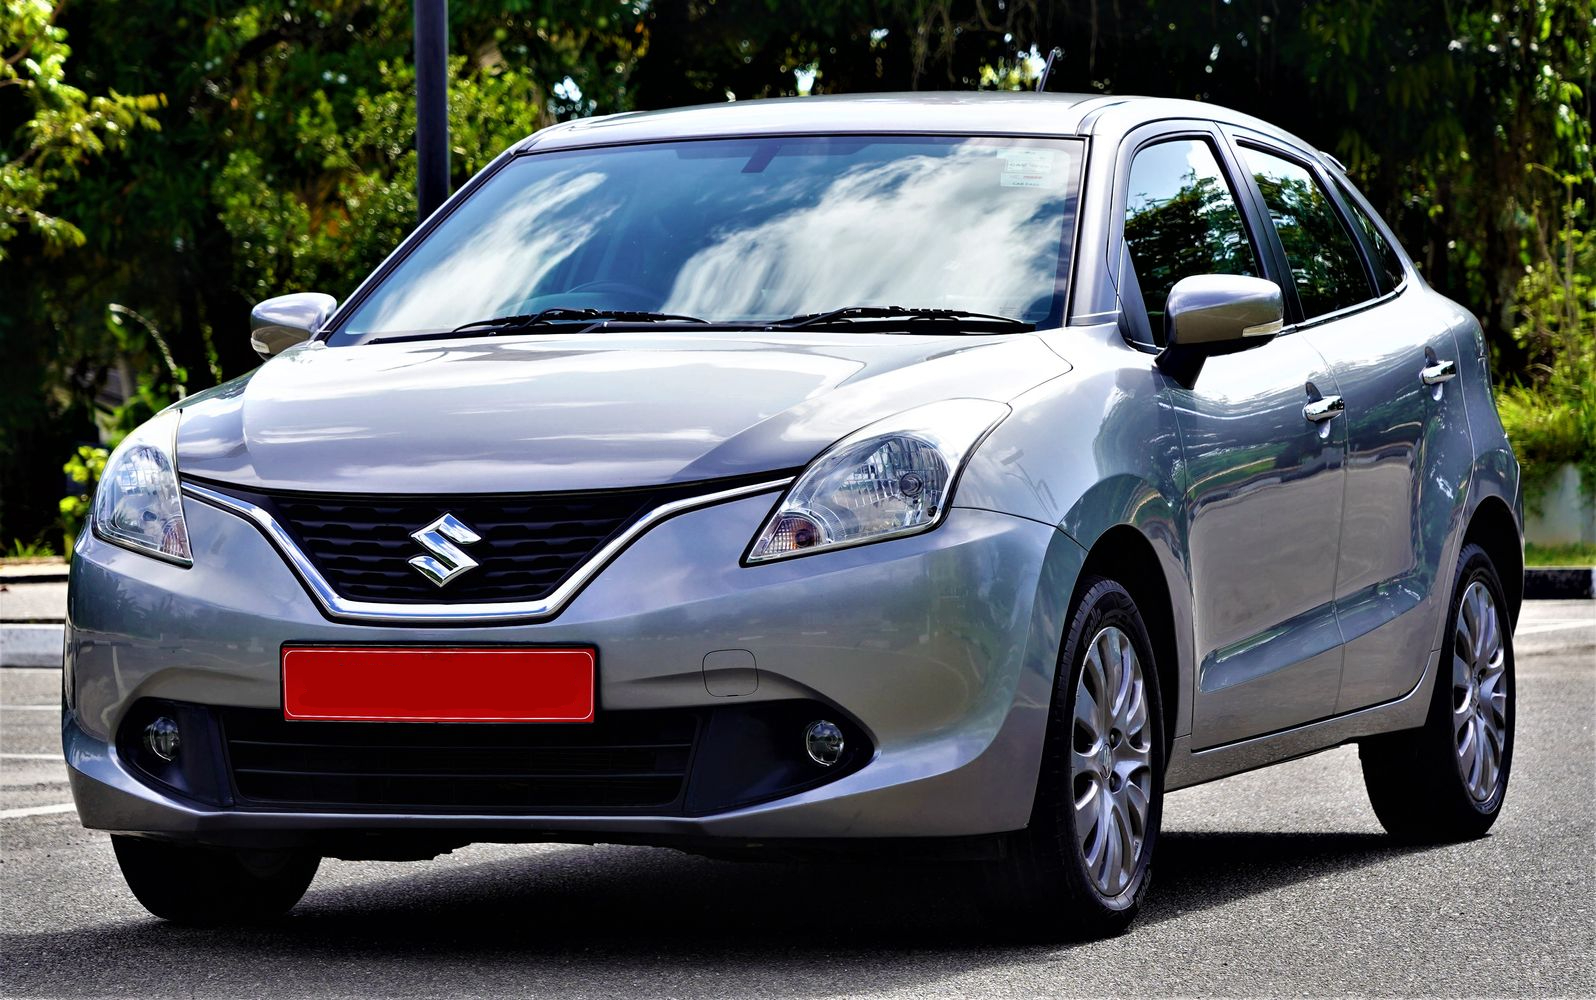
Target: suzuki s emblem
point(439, 538)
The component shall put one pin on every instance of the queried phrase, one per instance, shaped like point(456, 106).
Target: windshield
point(743, 231)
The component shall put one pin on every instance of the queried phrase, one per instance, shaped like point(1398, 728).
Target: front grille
point(530, 543)
point(624, 762)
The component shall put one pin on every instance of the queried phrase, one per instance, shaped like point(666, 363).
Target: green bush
point(1550, 411)
point(84, 468)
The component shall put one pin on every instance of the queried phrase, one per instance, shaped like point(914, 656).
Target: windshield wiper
point(953, 320)
point(581, 319)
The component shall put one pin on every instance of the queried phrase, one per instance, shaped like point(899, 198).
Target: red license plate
point(365, 684)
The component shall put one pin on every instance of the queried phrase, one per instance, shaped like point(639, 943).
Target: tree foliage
point(64, 127)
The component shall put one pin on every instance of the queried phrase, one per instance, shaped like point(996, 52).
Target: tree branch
point(23, 52)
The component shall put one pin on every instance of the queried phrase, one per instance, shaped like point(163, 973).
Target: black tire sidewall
point(204, 886)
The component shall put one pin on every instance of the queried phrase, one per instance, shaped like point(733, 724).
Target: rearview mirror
point(1211, 314)
point(279, 323)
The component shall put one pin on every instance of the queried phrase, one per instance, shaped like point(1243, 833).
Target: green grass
point(1578, 554)
point(21, 550)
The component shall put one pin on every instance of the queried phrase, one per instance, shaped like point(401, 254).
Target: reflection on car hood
point(583, 411)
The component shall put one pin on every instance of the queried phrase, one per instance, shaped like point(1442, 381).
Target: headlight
point(895, 477)
point(138, 505)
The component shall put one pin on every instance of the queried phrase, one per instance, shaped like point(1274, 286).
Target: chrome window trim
point(1345, 311)
point(338, 607)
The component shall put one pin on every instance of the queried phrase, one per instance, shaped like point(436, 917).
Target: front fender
point(1092, 450)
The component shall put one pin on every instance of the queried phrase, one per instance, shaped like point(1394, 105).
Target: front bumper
point(940, 647)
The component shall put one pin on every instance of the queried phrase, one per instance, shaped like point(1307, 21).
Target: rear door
point(1263, 481)
point(1393, 359)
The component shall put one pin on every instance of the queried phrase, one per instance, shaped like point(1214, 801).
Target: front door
point(1263, 448)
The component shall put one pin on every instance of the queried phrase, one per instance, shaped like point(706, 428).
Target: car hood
point(583, 411)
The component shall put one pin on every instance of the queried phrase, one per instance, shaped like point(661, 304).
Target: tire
point(1051, 883)
point(1428, 785)
point(203, 886)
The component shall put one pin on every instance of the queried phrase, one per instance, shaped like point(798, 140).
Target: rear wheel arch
point(1123, 554)
point(1493, 528)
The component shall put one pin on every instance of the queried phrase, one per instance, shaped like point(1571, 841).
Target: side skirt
point(1188, 767)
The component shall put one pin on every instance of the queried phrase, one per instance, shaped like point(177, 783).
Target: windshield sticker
point(1027, 168)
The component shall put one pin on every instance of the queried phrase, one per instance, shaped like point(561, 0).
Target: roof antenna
point(1047, 70)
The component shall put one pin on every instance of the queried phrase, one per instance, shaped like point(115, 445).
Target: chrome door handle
point(1441, 371)
point(1324, 409)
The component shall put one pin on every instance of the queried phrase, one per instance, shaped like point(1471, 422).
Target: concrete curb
point(1559, 583)
point(34, 573)
point(31, 645)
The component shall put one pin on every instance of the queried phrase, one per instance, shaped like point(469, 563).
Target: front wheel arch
point(1124, 555)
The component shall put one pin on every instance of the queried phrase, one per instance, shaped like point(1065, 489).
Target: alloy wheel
point(1479, 692)
point(1111, 756)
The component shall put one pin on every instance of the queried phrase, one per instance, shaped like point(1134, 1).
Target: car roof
point(950, 112)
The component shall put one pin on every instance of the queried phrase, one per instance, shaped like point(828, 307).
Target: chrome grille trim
point(442, 613)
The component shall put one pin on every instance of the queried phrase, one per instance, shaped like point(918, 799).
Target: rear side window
point(1388, 266)
point(1181, 219)
point(1324, 259)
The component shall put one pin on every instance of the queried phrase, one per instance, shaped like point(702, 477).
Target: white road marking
point(33, 708)
point(1539, 627)
point(60, 807)
point(32, 756)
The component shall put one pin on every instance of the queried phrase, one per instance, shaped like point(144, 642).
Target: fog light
point(162, 739)
point(823, 740)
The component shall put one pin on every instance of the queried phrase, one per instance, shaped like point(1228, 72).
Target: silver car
point(946, 476)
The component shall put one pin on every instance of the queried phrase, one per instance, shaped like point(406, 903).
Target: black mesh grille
point(530, 543)
point(626, 761)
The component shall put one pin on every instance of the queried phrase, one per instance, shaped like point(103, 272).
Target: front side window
point(1320, 251)
point(741, 231)
point(1180, 220)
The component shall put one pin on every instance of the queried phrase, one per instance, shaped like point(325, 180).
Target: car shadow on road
point(1198, 871)
point(638, 920)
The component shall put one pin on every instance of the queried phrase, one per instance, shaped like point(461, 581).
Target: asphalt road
point(1277, 882)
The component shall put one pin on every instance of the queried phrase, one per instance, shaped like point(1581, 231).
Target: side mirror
point(1211, 314)
point(278, 324)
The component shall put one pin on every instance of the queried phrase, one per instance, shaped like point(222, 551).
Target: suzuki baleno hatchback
point(952, 475)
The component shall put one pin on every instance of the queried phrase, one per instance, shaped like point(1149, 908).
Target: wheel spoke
point(1460, 690)
point(1096, 843)
point(1466, 627)
point(1477, 767)
point(1465, 741)
point(1113, 669)
point(1491, 638)
point(1094, 683)
point(1491, 758)
point(1113, 844)
point(1132, 714)
point(1137, 802)
point(1088, 803)
point(1479, 623)
point(1129, 678)
point(1088, 722)
point(1496, 708)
